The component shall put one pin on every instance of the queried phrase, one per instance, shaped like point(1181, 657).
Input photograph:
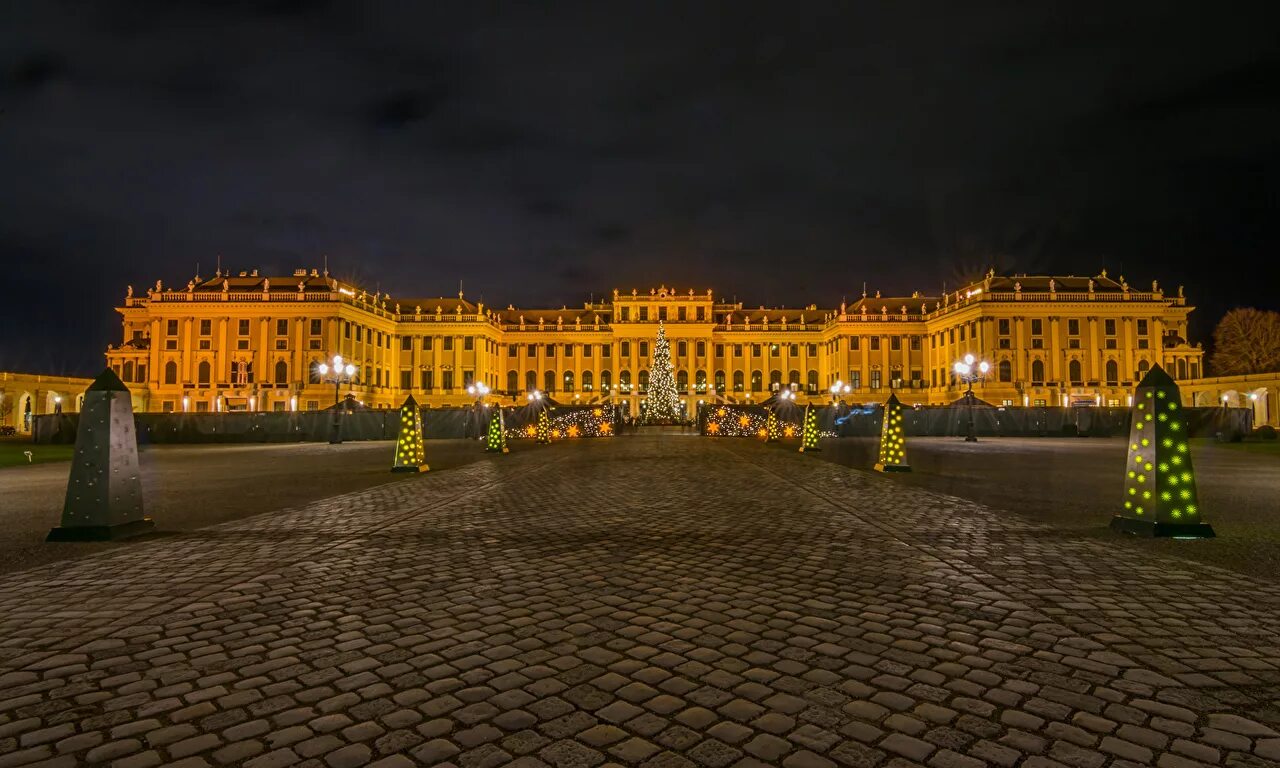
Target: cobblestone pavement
point(651, 601)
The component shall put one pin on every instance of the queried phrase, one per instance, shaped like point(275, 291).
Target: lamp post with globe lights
point(478, 390)
point(969, 370)
point(339, 373)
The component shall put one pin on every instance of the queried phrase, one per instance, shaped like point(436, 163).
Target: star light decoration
point(496, 438)
point(410, 453)
point(1160, 486)
point(567, 422)
point(809, 437)
point(893, 439)
point(728, 421)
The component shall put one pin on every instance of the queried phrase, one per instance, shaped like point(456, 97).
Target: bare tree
point(1247, 340)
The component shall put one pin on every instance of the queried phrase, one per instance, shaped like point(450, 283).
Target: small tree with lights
point(773, 430)
point(410, 453)
point(496, 438)
point(544, 427)
point(1160, 484)
point(893, 440)
point(663, 404)
point(809, 437)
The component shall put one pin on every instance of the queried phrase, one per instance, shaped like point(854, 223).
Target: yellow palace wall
point(235, 343)
point(23, 396)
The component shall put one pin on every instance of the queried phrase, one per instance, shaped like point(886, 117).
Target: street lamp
point(535, 395)
point(970, 370)
point(57, 403)
point(339, 373)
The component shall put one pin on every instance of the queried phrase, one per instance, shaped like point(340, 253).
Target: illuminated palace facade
point(246, 341)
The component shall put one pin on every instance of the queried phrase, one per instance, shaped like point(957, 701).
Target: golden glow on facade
point(245, 341)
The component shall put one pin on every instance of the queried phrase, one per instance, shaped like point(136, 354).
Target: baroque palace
point(246, 341)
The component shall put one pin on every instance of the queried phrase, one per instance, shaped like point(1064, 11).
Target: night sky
point(780, 153)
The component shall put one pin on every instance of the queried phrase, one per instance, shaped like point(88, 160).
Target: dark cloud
point(542, 153)
point(37, 69)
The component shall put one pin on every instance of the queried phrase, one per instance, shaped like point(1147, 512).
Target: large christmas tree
point(663, 403)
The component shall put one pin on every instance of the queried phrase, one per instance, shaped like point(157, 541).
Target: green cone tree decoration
point(809, 437)
point(893, 439)
point(543, 431)
point(496, 439)
point(411, 455)
point(1160, 484)
point(773, 430)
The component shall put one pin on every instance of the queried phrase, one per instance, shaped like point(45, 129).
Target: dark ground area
point(1072, 485)
point(1075, 485)
point(189, 487)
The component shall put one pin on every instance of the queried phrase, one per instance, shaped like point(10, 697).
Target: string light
point(566, 421)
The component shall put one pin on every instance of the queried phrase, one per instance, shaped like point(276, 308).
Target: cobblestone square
point(658, 600)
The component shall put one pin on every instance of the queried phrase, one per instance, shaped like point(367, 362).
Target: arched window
point(757, 381)
point(644, 380)
point(282, 372)
point(737, 381)
point(549, 381)
point(568, 381)
point(700, 381)
point(1074, 374)
point(171, 372)
point(588, 383)
point(1182, 368)
point(1037, 372)
point(513, 382)
point(1006, 370)
point(530, 380)
point(128, 370)
point(202, 373)
point(1143, 367)
point(775, 380)
point(719, 381)
point(793, 380)
point(1113, 373)
point(606, 381)
point(812, 384)
point(624, 381)
point(682, 381)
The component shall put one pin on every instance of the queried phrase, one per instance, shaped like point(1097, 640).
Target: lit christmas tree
point(893, 440)
point(772, 430)
point(1160, 484)
point(663, 404)
point(410, 454)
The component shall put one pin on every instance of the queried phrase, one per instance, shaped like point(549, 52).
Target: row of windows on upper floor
point(383, 340)
point(681, 316)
